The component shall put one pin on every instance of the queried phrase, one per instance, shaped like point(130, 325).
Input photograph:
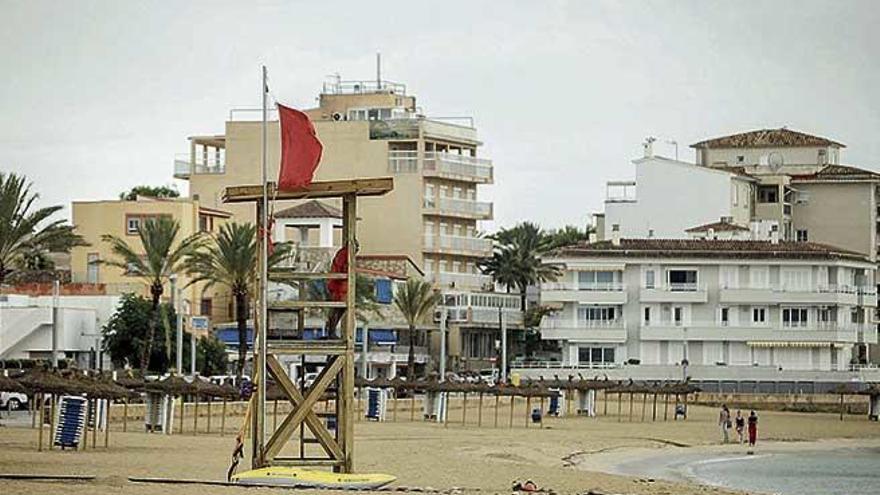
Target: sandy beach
point(567, 455)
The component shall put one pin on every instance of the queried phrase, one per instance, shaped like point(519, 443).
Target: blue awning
point(380, 336)
point(229, 336)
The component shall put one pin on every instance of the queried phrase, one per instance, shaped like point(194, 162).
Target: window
point(682, 280)
point(596, 355)
point(132, 225)
point(725, 317)
point(734, 194)
point(801, 235)
point(768, 194)
point(759, 277)
point(740, 159)
point(597, 313)
point(795, 279)
point(92, 267)
point(825, 315)
point(384, 292)
point(647, 315)
point(794, 317)
point(206, 305)
point(678, 316)
point(206, 223)
point(728, 277)
point(649, 279)
point(759, 316)
point(596, 280)
point(802, 198)
point(822, 157)
point(429, 196)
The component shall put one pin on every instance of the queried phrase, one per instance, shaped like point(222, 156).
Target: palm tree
point(22, 238)
point(569, 235)
point(415, 299)
point(231, 260)
point(516, 261)
point(162, 258)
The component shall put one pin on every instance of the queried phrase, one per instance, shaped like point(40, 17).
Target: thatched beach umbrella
point(175, 386)
point(845, 389)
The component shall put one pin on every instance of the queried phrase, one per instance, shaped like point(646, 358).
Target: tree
point(150, 192)
point(125, 338)
point(516, 262)
point(231, 260)
point(211, 356)
point(415, 299)
point(569, 235)
point(163, 256)
point(27, 233)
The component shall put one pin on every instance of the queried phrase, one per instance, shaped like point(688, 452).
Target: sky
point(98, 96)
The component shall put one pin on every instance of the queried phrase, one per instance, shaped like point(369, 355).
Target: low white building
point(725, 303)
point(688, 195)
point(26, 324)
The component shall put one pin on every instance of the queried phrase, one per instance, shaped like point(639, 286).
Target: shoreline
point(673, 463)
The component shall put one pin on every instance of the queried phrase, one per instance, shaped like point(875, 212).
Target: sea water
point(854, 471)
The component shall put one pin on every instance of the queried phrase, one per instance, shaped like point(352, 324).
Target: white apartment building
point(772, 305)
point(669, 196)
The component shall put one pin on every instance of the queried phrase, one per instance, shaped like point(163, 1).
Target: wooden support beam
point(378, 186)
point(314, 423)
point(345, 393)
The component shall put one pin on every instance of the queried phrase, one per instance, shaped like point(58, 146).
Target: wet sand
point(566, 455)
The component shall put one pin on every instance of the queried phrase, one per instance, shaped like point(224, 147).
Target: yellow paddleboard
point(311, 478)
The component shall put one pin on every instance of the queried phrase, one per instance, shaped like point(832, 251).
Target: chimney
point(615, 234)
point(648, 146)
point(774, 234)
point(650, 233)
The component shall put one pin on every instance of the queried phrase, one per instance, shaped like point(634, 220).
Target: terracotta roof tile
point(310, 209)
point(720, 226)
point(838, 173)
point(767, 138)
point(705, 248)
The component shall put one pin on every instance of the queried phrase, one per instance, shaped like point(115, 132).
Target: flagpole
point(264, 280)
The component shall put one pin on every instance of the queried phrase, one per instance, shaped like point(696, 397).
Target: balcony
point(441, 164)
point(462, 208)
point(815, 332)
point(187, 165)
point(620, 191)
point(394, 354)
point(465, 246)
point(596, 331)
point(480, 308)
point(596, 293)
point(675, 293)
point(460, 280)
point(826, 294)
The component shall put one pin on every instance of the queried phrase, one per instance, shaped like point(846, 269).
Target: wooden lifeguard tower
point(338, 369)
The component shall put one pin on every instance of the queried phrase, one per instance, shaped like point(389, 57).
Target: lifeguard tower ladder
point(338, 371)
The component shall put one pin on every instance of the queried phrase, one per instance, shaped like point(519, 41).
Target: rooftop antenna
point(379, 71)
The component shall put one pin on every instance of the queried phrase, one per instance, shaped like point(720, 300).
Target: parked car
point(13, 401)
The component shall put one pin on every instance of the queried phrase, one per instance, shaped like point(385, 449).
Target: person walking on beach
point(724, 422)
point(740, 426)
point(753, 428)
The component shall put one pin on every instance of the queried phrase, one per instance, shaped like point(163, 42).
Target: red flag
point(300, 149)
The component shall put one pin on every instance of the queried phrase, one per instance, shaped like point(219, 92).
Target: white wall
point(671, 197)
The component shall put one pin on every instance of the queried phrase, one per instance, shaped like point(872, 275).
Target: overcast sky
point(96, 97)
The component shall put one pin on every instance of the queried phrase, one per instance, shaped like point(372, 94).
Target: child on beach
point(740, 426)
point(724, 422)
point(753, 428)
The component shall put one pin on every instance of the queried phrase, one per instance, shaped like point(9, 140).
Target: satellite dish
point(775, 161)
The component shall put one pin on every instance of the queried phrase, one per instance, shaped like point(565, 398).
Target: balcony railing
point(185, 166)
point(595, 286)
point(460, 280)
point(441, 164)
point(450, 164)
point(819, 326)
point(559, 323)
point(866, 290)
point(475, 245)
point(465, 207)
